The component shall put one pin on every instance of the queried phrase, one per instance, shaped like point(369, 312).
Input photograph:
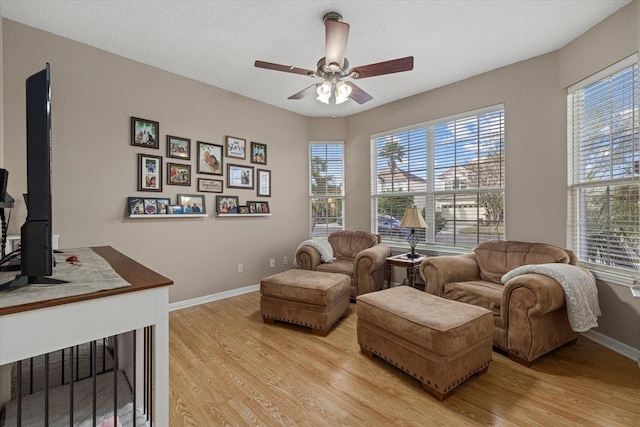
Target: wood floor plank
point(228, 368)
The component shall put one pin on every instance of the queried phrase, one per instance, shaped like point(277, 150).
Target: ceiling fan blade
point(285, 68)
point(358, 94)
point(336, 35)
point(386, 67)
point(304, 92)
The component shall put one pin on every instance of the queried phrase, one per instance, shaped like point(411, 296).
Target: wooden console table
point(42, 327)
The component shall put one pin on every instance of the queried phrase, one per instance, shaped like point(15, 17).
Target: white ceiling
point(217, 42)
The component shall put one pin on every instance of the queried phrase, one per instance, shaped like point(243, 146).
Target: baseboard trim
point(617, 346)
point(213, 297)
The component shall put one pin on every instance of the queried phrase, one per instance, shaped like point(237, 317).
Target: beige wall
point(95, 93)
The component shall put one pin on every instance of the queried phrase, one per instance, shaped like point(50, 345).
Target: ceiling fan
point(334, 67)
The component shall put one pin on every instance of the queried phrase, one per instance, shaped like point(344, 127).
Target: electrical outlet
point(285, 261)
point(240, 268)
point(272, 262)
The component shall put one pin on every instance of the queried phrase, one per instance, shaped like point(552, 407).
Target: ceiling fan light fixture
point(324, 92)
point(343, 91)
point(334, 67)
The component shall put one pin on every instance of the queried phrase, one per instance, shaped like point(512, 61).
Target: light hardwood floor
point(228, 368)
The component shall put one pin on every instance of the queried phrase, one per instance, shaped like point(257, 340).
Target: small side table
point(402, 261)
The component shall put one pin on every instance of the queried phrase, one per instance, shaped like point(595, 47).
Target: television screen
point(36, 251)
point(35, 234)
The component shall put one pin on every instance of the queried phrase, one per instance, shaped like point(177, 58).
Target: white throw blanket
point(580, 291)
point(321, 245)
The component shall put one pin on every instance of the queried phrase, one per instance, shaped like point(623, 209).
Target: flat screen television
point(36, 250)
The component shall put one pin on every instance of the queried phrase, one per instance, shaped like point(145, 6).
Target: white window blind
point(604, 185)
point(326, 187)
point(452, 169)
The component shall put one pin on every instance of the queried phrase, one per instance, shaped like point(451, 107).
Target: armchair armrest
point(532, 309)
point(436, 271)
point(545, 294)
point(372, 258)
point(368, 271)
point(308, 257)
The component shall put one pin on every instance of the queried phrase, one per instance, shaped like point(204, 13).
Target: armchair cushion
point(342, 266)
point(497, 257)
point(476, 292)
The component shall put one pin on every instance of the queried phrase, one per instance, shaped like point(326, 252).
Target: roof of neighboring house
point(385, 175)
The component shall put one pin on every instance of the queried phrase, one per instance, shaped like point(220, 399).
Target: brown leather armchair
point(529, 310)
point(358, 254)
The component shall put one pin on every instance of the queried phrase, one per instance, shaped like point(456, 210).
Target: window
point(452, 169)
point(326, 187)
point(603, 168)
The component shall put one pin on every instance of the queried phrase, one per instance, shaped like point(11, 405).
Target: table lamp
point(412, 219)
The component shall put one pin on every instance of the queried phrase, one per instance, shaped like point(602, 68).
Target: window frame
point(431, 191)
point(578, 221)
point(335, 202)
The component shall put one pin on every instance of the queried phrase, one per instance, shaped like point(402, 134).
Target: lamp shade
point(324, 92)
point(412, 218)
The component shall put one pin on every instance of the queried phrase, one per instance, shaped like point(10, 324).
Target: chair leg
point(521, 361)
point(319, 332)
point(482, 371)
point(366, 352)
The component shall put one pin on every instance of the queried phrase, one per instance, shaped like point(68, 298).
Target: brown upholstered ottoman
point(438, 341)
point(304, 297)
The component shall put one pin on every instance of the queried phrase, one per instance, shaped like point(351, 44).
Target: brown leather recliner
point(529, 311)
point(358, 254)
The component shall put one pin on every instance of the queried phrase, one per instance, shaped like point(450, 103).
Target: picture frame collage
point(186, 204)
point(210, 162)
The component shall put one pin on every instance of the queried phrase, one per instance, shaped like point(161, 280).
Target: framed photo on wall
point(150, 206)
point(236, 147)
point(149, 173)
point(254, 207)
point(178, 148)
point(239, 176)
point(192, 203)
point(209, 158)
point(258, 207)
point(210, 185)
point(178, 174)
point(264, 183)
point(226, 204)
point(162, 203)
point(135, 205)
point(145, 133)
point(258, 153)
point(174, 209)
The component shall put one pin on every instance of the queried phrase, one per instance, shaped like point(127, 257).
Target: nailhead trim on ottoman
point(437, 341)
point(304, 297)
